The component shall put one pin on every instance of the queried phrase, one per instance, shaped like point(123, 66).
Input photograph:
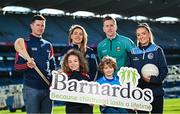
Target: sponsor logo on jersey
point(150, 56)
point(118, 49)
point(135, 59)
point(34, 49)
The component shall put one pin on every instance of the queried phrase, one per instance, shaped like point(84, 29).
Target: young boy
point(108, 66)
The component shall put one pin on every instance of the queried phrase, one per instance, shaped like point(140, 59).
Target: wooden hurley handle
point(42, 75)
point(21, 49)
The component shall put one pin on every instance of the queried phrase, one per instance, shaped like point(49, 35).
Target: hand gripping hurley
point(20, 48)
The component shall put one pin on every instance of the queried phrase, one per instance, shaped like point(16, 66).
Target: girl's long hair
point(83, 64)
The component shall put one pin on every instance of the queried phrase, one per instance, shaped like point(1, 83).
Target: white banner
point(126, 96)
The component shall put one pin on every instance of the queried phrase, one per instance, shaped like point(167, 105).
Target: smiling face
point(110, 28)
point(77, 36)
point(73, 63)
point(143, 36)
point(108, 71)
point(38, 27)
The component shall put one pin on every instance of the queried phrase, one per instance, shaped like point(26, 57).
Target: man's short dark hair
point(109, 18)
point(38, 17)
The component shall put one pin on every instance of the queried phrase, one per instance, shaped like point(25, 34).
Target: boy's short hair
point(107, 60)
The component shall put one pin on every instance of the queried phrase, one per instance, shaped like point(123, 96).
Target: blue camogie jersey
point(149, 54)
point(104, 80)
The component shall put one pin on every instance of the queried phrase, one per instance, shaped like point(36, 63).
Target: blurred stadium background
point(61, 14)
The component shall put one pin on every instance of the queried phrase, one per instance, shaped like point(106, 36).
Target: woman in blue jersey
point(148, 52)
point(78, 40)
point(108, 66)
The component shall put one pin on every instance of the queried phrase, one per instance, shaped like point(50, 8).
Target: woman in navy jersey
point(148, 52)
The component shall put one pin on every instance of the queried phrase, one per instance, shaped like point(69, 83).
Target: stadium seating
point(17, 25)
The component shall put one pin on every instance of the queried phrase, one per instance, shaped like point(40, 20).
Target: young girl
point(108, 66)
point(75, 66)
point(148, 52)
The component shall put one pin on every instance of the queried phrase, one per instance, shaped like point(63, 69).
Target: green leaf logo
point(128, 74)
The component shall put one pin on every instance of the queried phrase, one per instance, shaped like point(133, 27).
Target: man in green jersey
point(114, 45)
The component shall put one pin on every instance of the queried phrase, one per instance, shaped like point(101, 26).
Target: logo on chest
point(104, 51)
point(150, 56)
point(34, 49)
point(135, 59)
point(118, 49)
point(48, 51)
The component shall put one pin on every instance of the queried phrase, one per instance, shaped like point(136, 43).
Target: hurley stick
point(20, 48)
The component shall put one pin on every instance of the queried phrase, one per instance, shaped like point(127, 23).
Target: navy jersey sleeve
point(52, 60)
point(93, 64)
point(129, 60)
point(20, 62)
point(63, 52)
point(162, 66)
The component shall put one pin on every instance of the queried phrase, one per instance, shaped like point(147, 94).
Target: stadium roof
point(149, 8)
